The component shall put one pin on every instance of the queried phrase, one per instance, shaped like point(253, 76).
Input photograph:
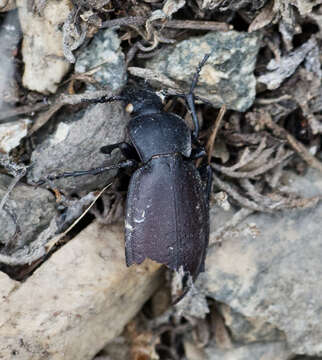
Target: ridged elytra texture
point(167, 215)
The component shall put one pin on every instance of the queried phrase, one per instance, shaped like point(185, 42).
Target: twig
point(276, 201)
point(265, 201)
point(131, 53)
point(212, 137)
point(268, 101)
point(4, 115)
point(248, 157)
point(57, 238)
point(195, 25)
point(174, 24)
point(241, 200)
point(296, 145)
point(65, 100)
point(44, 117)
point(252, 174)
point(274, 179)
point(125, 21)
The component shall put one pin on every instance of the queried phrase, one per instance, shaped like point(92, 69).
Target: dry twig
point(214, 131)
point(296, 145)
point(65, 100)
point(231, 190)
point(252, 174)
point(25, 109)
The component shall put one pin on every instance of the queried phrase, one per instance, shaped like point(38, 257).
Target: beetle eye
point(129, 108)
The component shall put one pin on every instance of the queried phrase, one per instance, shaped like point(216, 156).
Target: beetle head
point(141, 101)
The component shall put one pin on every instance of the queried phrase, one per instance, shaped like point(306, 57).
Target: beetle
point(167, 207)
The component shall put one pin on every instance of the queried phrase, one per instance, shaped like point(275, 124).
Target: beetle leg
point(197, 153)
point(127, 150)
point(95, 171)
point(103, 99)
point(206, 176)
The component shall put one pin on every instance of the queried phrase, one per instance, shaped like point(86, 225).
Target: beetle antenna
point(190, 96)
point(197, 73)
point(104, 99)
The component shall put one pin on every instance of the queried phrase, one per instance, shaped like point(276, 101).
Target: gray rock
point(256, 351)
point(32, 208)
point(42, 47)
point(77, 301)
point(227, 77)
point(11, 133)
point(247, 330)
point(118, 349)
point(10, 35)
point(275, 276)
point(7, 5)
point(75, 145)
point(104, 54)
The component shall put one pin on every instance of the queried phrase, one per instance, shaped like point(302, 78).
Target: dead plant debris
point(282, 130)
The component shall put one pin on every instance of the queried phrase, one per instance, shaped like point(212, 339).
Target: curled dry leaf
point(280, 70)
point(172, 6)
point(264, 18)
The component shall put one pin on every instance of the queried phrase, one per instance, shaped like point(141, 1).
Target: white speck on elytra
point(128, 226)
point(142, 218)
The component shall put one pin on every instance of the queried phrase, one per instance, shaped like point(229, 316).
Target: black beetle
point(167, 215)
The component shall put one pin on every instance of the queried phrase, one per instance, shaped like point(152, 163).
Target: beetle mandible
point(167, 215)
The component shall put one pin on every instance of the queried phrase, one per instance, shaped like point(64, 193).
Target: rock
point(247, 330)
point(104, 54)
point(42, 47)
point(11, 133)
point(77, 301)
point(7, 5)
point(10, 35)
point(275, 277)
point(256, 351)
point(7, 285)
point(75, 145)
point(226, 78)
point(27, 209)
point(118, 349)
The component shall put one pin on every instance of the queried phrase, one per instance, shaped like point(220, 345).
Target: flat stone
point(11, 133)
point(275, 276)
point(249, 330)
point(28, 209)
point(226, 78)
point(77, 301)
point(256, 351)
point(75, 145)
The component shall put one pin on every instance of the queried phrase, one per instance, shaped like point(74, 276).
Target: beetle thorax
point(143, 102)
point(159, 134)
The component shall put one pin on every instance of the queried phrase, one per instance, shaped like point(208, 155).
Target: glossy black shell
point(167, 215)
point(159, 134)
